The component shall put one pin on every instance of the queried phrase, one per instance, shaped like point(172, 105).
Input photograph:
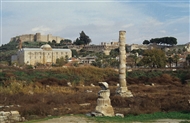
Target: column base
point(124, 92)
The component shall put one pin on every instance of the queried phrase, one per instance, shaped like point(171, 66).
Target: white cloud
point(163, 31)
point(41, 29)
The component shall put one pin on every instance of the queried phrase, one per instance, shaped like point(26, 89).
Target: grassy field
point(145, 117)
point(131, 118)
point(45, 92)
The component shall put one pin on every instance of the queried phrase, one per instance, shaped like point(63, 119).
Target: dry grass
point(52, 96)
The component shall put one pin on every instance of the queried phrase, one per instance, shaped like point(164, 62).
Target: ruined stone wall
point(105, 47)
point(37, 37)
point(136, 46)
point(44, 38)
point(96, 48)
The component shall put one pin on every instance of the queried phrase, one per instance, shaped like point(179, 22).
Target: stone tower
point(122, 90)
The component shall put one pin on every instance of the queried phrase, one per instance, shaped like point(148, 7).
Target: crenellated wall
point(37, 37)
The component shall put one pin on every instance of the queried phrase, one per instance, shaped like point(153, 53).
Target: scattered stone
point(47, 86)
point(96, 114)
point(119, 115)
point(55, 109)
point(30, 92)
point(10, 117)
point(1, 106)
point(118, 85)
point(92, 85)
point(84, 104)
point(68, 109)
point(7, 106)
point(11, 105)
point(69, 84)
point(88, 91)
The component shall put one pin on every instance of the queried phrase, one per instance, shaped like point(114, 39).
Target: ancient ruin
point(37, 37)
point(104, 107)
point(122, 90)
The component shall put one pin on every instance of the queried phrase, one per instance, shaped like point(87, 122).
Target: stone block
point(103, 102)
point(7, 113)
point(105, 110)
point(104, 94)
point(119, 115)
point(14, 113)
point(104, 85)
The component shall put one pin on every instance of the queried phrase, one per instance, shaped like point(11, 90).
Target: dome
point(46, 47)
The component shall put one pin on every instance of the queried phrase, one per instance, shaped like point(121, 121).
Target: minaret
point(122, 90)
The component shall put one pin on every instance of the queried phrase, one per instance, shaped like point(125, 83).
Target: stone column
point(122, 90)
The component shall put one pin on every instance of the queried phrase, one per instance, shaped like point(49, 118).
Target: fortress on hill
point(37, 37)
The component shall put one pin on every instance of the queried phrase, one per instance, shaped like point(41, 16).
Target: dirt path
point(78, 119)
point(68, 119)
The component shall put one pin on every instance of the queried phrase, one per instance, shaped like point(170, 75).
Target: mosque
point(43, 55)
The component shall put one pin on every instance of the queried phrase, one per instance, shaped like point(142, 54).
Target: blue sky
point(100, 20)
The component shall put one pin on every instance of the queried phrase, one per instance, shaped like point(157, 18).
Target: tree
point(139, 51)
point(164, 40)
point(146, 42)
point(184, 49)
point(134, 59)
point(65, 41)
point(53, 41)
point(188, 59)
point(74, 53)
point(114, 52)
point(83, 39)
point(170, 61)
point(176, 59)
point(179, 51)
point(78, 42)
point(61, 61)
point(154, 58)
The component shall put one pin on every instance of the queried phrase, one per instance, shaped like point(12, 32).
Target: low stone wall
point(10, 117)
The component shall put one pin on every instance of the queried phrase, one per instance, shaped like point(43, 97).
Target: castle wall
point(27, 37)
point(37, 37)
point(44, 38)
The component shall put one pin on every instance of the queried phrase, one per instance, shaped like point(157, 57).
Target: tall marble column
point(122, 90)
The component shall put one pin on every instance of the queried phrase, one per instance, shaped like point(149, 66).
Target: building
point(37, 37)
point(43, 55)
point(87, 60)
point(137, 46)
point(104, 47)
